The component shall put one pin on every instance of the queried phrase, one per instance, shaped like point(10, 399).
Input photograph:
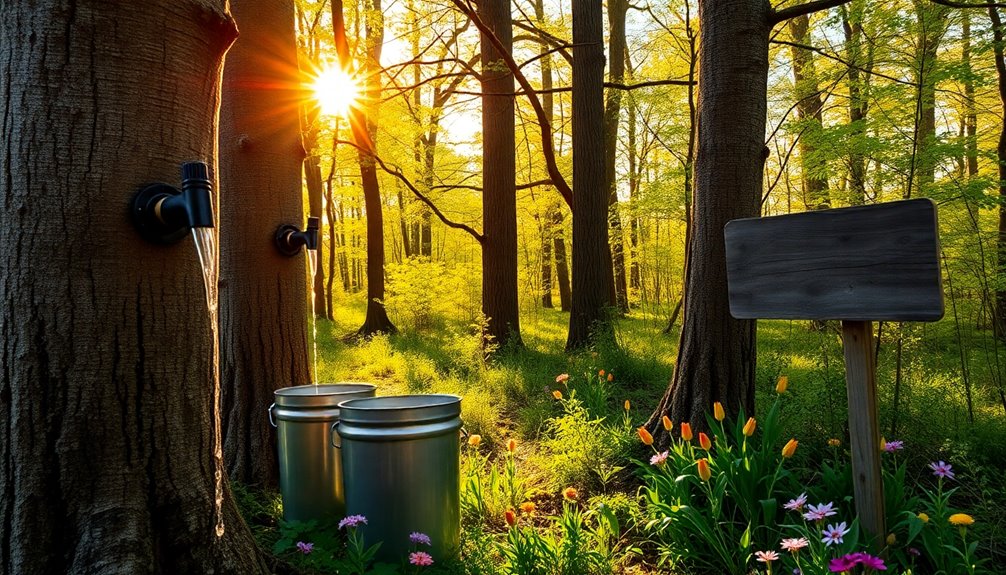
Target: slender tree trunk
point(263, 338)
point(561, 267)
point(108, 388)
point(1000, 63)
point(552, 234)
point(852, 25)
point(932, 24)
point(499, 193)
point(716, 353)
point(809, 103)
point(970, 115)
point(591, 272)
point(617, 10)
point(634, 279)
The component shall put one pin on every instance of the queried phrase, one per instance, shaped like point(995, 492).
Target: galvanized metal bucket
point(310, 470)
point(401, 469)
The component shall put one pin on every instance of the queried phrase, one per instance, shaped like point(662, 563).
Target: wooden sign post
point(857, 265)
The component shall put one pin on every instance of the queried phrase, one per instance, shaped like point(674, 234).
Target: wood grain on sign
point(863, 263)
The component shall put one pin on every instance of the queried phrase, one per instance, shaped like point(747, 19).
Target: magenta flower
point(843, 563)
point(794, 545)
point(420, 558)
point(819, 512)
point(941, 470)
point(871, 562)
point(352, 521)
point(834, 533)
point(305, 548)
point(418, 538)
point(659, 458)
point(892, 446)
point(796, 504)
point(766, 556)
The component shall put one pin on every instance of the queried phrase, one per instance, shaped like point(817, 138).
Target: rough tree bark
point(591, 270)
point(716, 353)
point(106, 350)
point(813, 172)
point(499, 192)
point(617, 10)
point(263, 336)
point(1000, 63)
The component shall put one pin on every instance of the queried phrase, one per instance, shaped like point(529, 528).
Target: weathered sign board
point(857, 265)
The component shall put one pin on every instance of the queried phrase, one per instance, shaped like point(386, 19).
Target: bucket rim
point(359, 404)
point(346, 387)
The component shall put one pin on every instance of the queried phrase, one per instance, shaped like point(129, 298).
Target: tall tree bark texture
point(551, 234)
point(364, 129)
point(499, 195)
point(591, 269)
point(262, 306)
point(852, 26)
point(716, 353)
point(932, 25)
point(1000, 63)
point(617, 10)
point(808, 106)
point(107, 386)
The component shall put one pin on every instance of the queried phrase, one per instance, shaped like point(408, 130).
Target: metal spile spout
point(163, 214)
point(196, 194)
point(289, 240)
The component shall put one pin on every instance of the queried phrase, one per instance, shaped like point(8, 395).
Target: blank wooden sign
point(878, 262)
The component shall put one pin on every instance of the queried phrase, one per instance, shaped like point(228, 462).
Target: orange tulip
point(790, 448)
point(510, 517)
point(511, 445)
point(611, 376)
point(704, 442)
point(474, 440)
point(686, 431)
point(569, 494)
point(645, 436)
point(704, 472)
point(527, 507)
point(668, 424)
point(718, 412)
point(557, 394)
point(749, 427)
point(783, 383)
point(601, 373)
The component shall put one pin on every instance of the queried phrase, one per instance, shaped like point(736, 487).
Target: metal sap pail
point(401, 470)
point(310, 471)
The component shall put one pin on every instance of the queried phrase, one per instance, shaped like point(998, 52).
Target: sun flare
point(335, 91)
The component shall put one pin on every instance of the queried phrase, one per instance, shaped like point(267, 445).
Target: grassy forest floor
point(510, 397)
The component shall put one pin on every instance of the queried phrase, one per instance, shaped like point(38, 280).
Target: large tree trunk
point(716, 353)
point(1000, 63)
point(612, 108)
point(592, 278)
point(263, 342)
point(499, 193)
point(813, 172)
point(112, 462)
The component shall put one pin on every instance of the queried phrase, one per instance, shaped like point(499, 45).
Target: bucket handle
point(463, 435)
point(332, 434)
point(271, 421)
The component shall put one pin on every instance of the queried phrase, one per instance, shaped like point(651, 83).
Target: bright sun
point(335, 91)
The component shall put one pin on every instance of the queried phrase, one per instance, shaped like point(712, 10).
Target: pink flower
point(420, 558)
point(819, 512)
point(834, 533)
point(561, 378)
point(892, 446)
point(796, 504)
point(659, 458)
point(843, 563)
point(352, 521)
point(766, 556)
point(941, 469)
point(305, 548)
point(794, 545)
point(871, 562)
point(419, 538)
point(847, 562)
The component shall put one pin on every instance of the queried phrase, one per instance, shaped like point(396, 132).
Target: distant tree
point(263, 336)
point(617, 53)
point(112, 459)
point(591, 266)
point(809, 103)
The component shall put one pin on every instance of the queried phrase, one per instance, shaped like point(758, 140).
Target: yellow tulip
point(627, 405)
point(891, 539)
point(749, 427)
point(645, 436)
point(718, 412)
point(474, 440)
point(834, 442)
point(668, 424)
point(923, 517)
point(790, 448)
point(704, 472)
point(686, 431)
point(783, 383)
point(704, 442)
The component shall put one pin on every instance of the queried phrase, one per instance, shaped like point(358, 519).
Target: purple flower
point(914, 552)
point(659, 458)
point(796, 504)
point(941, 470)
point(892, 446)
point(871, 562)
point(843, 563)
point(418, 538)
point(834, 533)
point(819, 512)
point(420, 558)
point(352, 521)
point(305, 548)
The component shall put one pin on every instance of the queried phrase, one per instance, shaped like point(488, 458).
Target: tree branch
point(953, 4)
point(776, 16)
point(398, 174)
